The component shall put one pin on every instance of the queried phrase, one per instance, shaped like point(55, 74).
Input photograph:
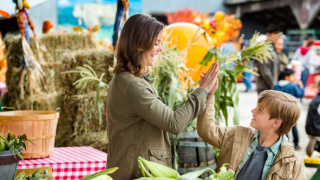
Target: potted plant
point(10, 154)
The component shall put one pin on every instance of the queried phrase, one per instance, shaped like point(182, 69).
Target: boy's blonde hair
point(283, 106)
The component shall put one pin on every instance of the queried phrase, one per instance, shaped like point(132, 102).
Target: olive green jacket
point(138, 122)
point(234, 141)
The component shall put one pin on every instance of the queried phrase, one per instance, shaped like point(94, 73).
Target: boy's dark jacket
point(313, 117)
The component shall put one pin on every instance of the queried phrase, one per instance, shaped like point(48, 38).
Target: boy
point(261, 151)
point(313, 123)
point(287, 84)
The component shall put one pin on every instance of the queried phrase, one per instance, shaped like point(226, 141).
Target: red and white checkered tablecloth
point(70, 163)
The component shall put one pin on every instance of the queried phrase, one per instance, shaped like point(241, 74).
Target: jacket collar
point(285, 155)
point(146, 77)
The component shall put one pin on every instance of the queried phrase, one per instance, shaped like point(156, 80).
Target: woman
point(137, 120)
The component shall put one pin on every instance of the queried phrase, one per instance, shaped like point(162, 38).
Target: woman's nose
point(160, 49)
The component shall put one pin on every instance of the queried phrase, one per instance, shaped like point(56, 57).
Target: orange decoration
point(4, 14)
point(185, 23)
point(46, 26)
point(187, 36)
point(218, 16)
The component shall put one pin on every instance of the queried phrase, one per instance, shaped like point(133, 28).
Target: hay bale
point(41, 98)
point(81, 110)
point(78, 118)
point(57, 44)
point(52, 46)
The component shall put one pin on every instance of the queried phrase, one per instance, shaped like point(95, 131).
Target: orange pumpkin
point(180, 35)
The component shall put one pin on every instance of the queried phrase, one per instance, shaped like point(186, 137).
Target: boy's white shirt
point(318, 109)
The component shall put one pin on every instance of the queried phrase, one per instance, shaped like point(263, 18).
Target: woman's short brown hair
point(138, 35)
point(282, 106)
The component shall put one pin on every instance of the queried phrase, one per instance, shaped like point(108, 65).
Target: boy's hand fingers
point(207, 82)
point(212, 69)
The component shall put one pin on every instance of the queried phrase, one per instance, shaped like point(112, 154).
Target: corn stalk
point(169, 85)
point(231, 66)
point(89, 78)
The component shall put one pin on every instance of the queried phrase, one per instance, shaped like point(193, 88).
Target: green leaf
point(172, 92)
point(208, 57)
point(193, 175)
point(98, 104)
point(154, 178)
point(107, 171)
point(236, 114)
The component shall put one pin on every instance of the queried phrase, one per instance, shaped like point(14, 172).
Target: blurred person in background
point(288, 84)
point(313, 123)
point(283, 59)
point(306, 55)
point(268, 70)
point(246, 76)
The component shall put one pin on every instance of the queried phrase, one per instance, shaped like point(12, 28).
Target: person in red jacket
point(306, 55)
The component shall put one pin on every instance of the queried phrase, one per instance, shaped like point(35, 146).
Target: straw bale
point(81, 109)
point(97, 140)
point(78, 116)
point(54, 46)
point(33, 99)
point(57, 44)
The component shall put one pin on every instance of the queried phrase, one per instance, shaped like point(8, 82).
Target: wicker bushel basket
point(39, 126)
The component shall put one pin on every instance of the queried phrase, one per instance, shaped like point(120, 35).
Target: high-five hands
point(209, 80)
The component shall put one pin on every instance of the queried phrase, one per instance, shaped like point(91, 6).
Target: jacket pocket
point(161, 156)
point(282, 174)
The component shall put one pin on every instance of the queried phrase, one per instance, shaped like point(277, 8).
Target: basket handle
point(58, 109)
point(8, 108)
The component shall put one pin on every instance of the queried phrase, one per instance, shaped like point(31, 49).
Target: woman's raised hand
point(209, 80)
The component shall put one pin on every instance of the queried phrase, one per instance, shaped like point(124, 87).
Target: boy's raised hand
point(214, 89)
point(209, 80)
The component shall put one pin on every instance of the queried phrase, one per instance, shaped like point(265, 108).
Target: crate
point(39, 126)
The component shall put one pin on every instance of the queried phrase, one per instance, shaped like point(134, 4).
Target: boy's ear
point(277, 123)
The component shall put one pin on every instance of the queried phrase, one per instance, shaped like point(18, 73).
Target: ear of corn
point(101, 173)
point(143, 169)
point(102, 177)
point(1, 145)
point(224, 174)
point(154, 178)
point(227, 175)
point(193, 175)
point(159, 170)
